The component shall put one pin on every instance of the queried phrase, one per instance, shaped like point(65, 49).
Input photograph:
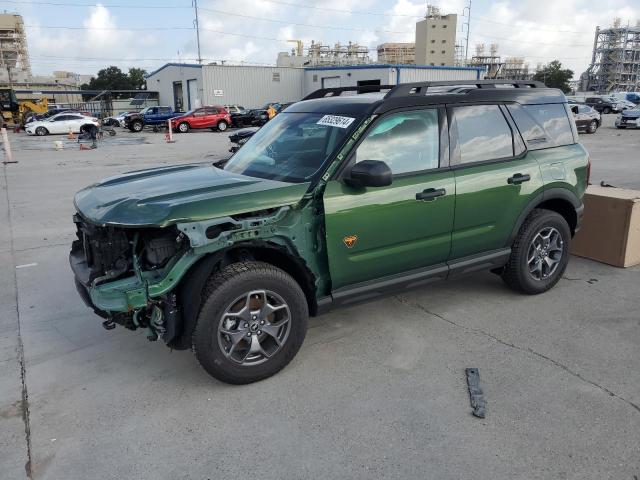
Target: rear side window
point(543, 126)
point(483, 133)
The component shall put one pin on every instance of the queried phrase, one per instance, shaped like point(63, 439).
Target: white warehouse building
point(187, 86)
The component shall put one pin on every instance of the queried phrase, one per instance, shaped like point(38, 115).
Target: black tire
point(593, 126)
point(222, 126)
point(136, 126)
point(606, 110)
point(516, 272)
point(42, 131)
point(225, 287)
point(183, 127)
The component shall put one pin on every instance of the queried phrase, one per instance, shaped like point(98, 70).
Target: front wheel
point(540, 253)
point(222, 126)
point(251, 324)
point(183, 127)
point(606, 110)
point(42, 131)
point(137, 126)
point(593, 126)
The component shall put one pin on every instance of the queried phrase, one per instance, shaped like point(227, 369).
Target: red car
point(213, 117)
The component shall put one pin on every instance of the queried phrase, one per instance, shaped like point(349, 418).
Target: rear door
point(61, 124)
point(373, 233)
point(495, 178)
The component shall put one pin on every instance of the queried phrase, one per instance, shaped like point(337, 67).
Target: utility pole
point(195, 6)
point(466, 45)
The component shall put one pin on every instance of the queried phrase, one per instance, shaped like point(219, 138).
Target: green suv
point(338, 199)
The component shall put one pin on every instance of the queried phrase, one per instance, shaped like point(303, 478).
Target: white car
point(60, 123)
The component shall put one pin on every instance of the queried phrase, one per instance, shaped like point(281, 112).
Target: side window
point(554, 120)
point(164, 110)
point(199, 113)
point(543, 126)
point(483, 133)
point(153, 110)
point(210, 111)
point(406, 141)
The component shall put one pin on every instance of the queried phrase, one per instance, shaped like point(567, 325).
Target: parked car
point(235, 109)
point(325, 206)
point(587, 119)
point(213, 117)
point(149, 116)
point(116, 120)
point(603, 105)
point(33, 117)
point(61, 123)
point(633, 97)
point(240, 137)
point(629, 118)
point(256, 117)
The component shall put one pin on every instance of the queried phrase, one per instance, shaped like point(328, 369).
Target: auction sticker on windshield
point(335, 121)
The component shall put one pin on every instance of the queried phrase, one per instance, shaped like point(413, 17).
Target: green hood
point(167, 195)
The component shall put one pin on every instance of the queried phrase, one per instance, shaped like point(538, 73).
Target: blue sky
point(102, 34)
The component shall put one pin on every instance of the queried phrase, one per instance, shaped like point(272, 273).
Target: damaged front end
point(137, 276)
point(125, 274)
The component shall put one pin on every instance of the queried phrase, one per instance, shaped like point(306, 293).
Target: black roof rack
point(421, 88)
point(337, 91)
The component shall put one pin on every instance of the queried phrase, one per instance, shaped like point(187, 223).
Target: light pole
point(467, 23)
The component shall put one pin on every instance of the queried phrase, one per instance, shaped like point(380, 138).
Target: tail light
point(588, 172)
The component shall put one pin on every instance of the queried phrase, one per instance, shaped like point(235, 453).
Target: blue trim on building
point(186, 65)
point(417, 67)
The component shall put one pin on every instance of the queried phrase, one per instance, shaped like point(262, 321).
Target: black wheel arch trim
point(190, 289)
point(548, 194)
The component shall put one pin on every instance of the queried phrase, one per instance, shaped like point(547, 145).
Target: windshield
point(292, 147)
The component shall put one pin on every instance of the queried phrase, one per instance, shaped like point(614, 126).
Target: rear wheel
point(606, 110)
point(42, 131)
point(251, 324)
point(183, 127)
point(540, 253)
point(222, 126)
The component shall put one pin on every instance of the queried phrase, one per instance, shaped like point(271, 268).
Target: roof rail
point(421, 88)
point(337, 91)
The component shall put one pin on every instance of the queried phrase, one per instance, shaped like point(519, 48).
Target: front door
point(377, 232)
point(495, 178)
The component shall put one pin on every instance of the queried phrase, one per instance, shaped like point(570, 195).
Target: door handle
point(430, 194)
point(518, 178)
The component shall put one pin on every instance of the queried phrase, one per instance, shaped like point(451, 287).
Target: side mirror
point(370, 173)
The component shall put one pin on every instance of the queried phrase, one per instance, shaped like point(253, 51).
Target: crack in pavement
point(21, 359)
point(478, 331)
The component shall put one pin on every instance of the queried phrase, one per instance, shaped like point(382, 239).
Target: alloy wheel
point(545, 252)
point(254, 327)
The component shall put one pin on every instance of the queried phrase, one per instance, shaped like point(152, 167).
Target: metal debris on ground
point(475, 392)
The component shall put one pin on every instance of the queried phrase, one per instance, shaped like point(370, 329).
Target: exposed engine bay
point(106, 253)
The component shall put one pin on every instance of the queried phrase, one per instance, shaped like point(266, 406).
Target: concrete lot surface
point(377, 391)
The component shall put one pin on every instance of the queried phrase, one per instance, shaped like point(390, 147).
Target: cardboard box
point(610, 230)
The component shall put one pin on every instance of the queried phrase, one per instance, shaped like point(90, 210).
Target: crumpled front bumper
point(126, 294)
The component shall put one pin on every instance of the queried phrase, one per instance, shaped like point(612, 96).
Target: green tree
point(112, 78)
point(136, 77)
point(554, 76)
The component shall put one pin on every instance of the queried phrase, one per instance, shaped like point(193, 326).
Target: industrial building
point(319, 55)
point(615, 61)
point(397, 53)
point(14, 55)
point(187, 86)
point(436, 38)
point(511, 68)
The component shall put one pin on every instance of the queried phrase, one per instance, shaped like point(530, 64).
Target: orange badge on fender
point(350, 240)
